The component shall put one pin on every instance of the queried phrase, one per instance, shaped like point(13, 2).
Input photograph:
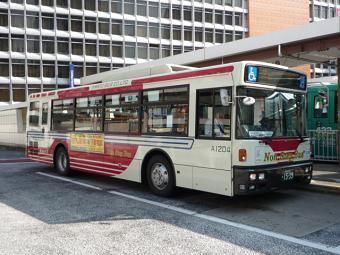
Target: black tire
point(160, 171)
point(62, 162)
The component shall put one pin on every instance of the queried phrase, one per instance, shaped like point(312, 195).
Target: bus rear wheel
point(160, 176)
point(62, 162)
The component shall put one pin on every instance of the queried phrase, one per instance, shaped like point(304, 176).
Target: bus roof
point(170, 72)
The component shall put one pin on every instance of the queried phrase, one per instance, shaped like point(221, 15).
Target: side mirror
point(248, 101)
point(224, 97)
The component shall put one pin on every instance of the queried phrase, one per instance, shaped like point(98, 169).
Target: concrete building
point(39, 39)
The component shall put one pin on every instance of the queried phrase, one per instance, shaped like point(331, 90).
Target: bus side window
point(44, 115)
point(214, 113)
point(34, 114)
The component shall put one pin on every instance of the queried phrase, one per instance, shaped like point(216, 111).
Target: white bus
point(232, 129)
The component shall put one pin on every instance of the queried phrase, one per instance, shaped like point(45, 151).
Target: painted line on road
point(306, 243)
point(69, 180)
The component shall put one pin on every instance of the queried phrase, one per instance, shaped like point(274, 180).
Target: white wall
point(13, 127)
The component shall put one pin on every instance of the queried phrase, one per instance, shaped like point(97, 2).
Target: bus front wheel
point(160, 176)
point(62, 162)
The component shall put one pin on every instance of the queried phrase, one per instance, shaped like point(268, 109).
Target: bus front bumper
point(259, 179)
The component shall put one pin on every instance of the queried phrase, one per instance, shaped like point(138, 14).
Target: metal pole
point(338, 115)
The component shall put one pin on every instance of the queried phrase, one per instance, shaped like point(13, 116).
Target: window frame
point(213, 137)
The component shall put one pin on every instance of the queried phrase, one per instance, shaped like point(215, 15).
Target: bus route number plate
point(287, 175)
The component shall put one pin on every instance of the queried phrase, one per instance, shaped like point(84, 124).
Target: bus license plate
point(287, 175)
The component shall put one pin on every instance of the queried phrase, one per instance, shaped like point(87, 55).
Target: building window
point(198, 14)
point(63, 69)
point(166, 51)
point(33, 44)
point(77, 46)
point(4, 18)
point(228, 2)
point(76, 24)
point(121, 113)
point(104, 48)
point(117, 49)
point(63, 46)
point(62, 22)
point(218, 36)
point(177, 50)
point(209, 35)
point(18, 67)
point(141, 8)
point(129, 7)
point(238, 3)
point(238, 35)
point(228, 36)
point(47, 21)
point(3, 42)
point(4, 67)
point(176, 12)
point(18, 43)
point(129, 28)
point(142, 30)
point(238, 19)
point(90, 5)
point(104, 67)
point(33, 68)
point(91, 68)
point(117, 27)
point(62, 115)
point(165, 31)
point(218, 17)
point(91, 47)
point(116, 6)
point(14, 1)
point(103, 5)
point(4, 93)
point(142, 50)
point(48, 2)
point(104, 26)
point(166, 111)
point(76, 4)
point(62, 3)
point(78, 70)
point(187, 12)
point(130, 50)
point(198, 34)
point(17, 19)
point(90, 25)
point(153, 9)
point(48, 69)
point(228, 18)
point(154, 30)
point(165, 11)
point(154, 51)
point(188, 33)
point(176, 33)
point(208, 15)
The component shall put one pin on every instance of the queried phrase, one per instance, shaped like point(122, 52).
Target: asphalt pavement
point(42, 213)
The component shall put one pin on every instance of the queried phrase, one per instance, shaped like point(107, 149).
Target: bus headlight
point(262, 176)
point(252, 176)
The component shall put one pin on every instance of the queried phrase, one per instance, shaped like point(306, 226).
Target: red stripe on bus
point(284, 144)
point(91, 171)
point(93, 167)
point(175, 76)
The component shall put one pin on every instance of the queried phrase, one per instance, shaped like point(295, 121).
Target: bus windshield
point(274, 114)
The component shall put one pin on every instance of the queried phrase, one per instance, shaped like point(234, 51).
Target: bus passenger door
point(212, 169)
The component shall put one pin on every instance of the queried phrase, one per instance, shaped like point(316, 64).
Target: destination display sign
point(275, 77)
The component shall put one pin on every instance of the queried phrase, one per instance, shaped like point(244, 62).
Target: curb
point(323, 186)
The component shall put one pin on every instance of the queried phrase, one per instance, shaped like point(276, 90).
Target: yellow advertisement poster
point(87, 142)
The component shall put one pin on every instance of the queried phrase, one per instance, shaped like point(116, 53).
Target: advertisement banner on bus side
point(87, 142)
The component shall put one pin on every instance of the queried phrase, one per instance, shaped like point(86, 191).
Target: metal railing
point(324, 144)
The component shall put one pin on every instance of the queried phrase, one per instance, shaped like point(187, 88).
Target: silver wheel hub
point(159, 176)
point(62, 162)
